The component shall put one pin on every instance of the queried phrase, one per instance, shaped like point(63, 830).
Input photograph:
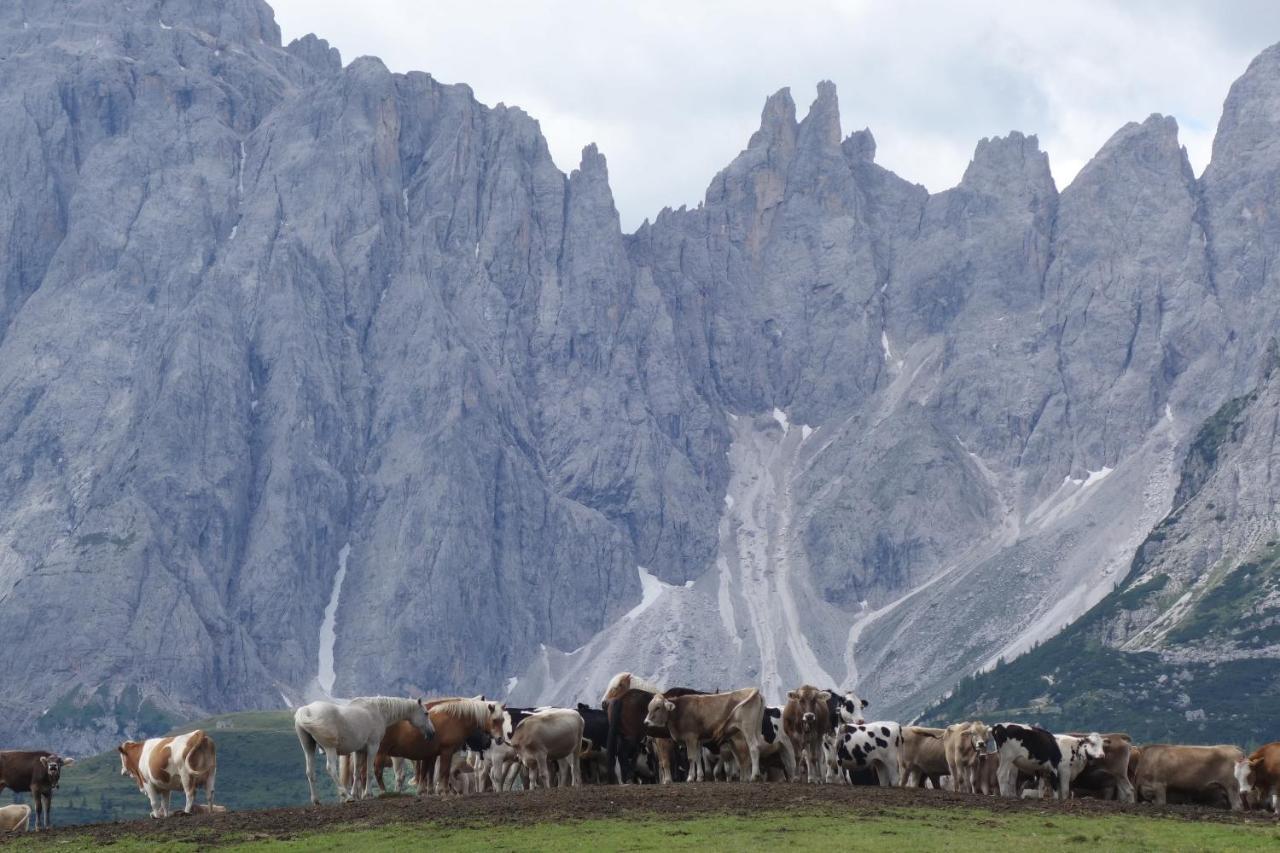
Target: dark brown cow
point(36, 772)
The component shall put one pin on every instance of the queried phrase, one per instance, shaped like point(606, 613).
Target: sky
point(671, 90)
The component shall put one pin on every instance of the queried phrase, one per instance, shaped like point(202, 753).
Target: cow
point(1107, 777)
point(595, 729)
point(1258, 776)
point(162, 765)
point(1036, 752)
point(713, 716)
point(845, 708)
point(15, 818)
point(871, 746)
point(965, 744)
point(923, 757)
point(806, 718)
point(777, 755)
point(1189, 770)
point(37, 772)
point(553, 734)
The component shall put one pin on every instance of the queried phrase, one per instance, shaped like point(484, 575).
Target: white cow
point(15, 818)
point(162, 765)
point(554, 734)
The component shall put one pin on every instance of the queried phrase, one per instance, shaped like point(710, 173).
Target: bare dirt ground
point(670, 802)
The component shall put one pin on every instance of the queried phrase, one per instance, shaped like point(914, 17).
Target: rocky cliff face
point(320, 379)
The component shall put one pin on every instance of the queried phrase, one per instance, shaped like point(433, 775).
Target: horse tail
point(611, 742)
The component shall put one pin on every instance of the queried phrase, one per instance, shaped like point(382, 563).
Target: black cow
point(36, 772)
point(1029, 749)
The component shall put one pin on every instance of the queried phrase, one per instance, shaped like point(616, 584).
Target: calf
point(554, 734)
point(714, 716)
point(805, 720)
point(1258, 776)
point(923, 756)
point(15, 818)
point(1189, 770)
point(871, 746)
point(162, 765)
point(37, 772)
point(965, 744)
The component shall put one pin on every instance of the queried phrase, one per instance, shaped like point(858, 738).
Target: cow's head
point(849, 708)
point(1092, 746)
point(1246, 778)
point(980, 735)
point(659, 711)
point(811, 704)
point(53, 765)
point(421, 720)
point(130, 755)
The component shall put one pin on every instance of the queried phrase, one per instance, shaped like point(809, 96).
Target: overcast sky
point(672, 89)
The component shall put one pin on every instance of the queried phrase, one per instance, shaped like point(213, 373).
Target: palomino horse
point(624, 681)
point(454, 720)
point(357, 727)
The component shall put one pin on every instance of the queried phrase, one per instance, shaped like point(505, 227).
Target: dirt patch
point(670, 802)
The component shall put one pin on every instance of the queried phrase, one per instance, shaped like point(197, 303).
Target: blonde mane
point(474, 711)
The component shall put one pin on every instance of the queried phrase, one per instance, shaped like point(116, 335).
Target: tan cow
point(15, 818)
point(1194, 770)
point(1107, 777)
point(965, 744)
point(923, 756)
point(805, 719)
point(162, 765)
point(554, 734)
point(713, 716)
point(1259, 776)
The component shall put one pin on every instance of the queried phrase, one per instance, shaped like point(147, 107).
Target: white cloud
point(671, 90)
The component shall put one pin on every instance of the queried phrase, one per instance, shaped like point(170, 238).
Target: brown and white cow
point(923, 756)
point(964, 745)
point(1193, 770)
point(713, 716)
point(36, 772)
point(547, 735)
point(15, 818)
point(1258, 776)
point(162, 765)
point(806, 719)
point(1108, 777)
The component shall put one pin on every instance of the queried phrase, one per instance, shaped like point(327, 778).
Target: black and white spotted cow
point(1039, 753)
point(845, 708)
point(870, 746)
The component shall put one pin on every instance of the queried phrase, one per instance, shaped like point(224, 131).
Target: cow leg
point(157, 802)
point(1233, 797)
point(697, 767)
point(753, 748)
point(189, 792)
point(1124, 790)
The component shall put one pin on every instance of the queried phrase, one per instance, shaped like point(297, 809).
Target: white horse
point(354, 728)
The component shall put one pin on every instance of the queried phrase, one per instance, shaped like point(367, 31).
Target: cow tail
point(611, 744)
point(201, 752)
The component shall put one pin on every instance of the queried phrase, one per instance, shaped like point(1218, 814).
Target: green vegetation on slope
point(259, 766)
point(950, 829)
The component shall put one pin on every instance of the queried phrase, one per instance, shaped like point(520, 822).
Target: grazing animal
point(15, 818)
point(806, 718)
point(353, 729)
point(553, 734)
point(595, 730)
point(713, 716)
point(453, 721)
point(162, 765)
point(1190, 771)
point(1036, 752)
point(871, 746)
point(37, 772)
point(1107, 777)
point(965, 744)
point(845, 708)
point(923, 757)
point(1259, 776)
point(627, 731)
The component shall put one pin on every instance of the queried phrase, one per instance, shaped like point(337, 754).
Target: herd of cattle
point(641, 733)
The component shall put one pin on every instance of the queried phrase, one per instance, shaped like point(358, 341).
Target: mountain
point(318, 379)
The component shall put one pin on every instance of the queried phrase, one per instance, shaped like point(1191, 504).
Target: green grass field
point(951, 829)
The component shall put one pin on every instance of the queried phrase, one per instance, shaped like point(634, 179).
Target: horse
point(624, 681)
point(454, 720)
point(356, 727)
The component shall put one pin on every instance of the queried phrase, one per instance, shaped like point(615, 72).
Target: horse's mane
point(391, 707)
point(472, 711)
point(637, 683)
